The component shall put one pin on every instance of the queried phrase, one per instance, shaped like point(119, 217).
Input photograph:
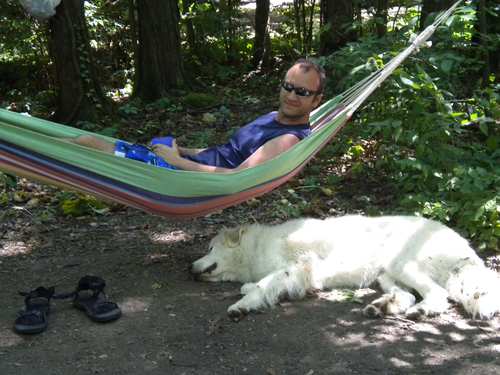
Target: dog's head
point(220, 264)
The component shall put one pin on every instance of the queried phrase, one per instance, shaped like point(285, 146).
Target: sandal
point(34, 317)
point(93, 301)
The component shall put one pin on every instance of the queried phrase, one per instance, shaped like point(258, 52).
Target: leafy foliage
point(438, 148)
point(199, 100)
point(79, 205)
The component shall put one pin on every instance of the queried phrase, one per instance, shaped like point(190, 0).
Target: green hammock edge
point(42, 136)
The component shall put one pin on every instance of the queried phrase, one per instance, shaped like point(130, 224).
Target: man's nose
point(292, 95)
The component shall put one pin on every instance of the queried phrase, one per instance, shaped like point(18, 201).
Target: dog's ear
point(232, 237)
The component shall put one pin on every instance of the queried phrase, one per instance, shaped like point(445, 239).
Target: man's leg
point(94, 142)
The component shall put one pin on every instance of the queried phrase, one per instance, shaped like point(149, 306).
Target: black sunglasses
point(299, 91)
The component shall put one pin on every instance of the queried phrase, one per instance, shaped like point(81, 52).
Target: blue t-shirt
point(247, 140)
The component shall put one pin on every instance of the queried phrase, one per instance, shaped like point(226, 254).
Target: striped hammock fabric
point(34, 148)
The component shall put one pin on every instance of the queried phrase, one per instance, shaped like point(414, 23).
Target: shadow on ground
point(174, 325)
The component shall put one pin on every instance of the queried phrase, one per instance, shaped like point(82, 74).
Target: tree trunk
point(190, 33)
point(381, 17)
point(159, 61)
point(79, 93)
point(261, 54)
point(338, 19)
point(310, 29)
point(486, 50)
point(493, 30)
point(227, 9)
point(432, 6)
point(358, 16)
point(298, 23)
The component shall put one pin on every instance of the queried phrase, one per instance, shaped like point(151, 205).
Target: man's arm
point(269, 150)
point(185, 151)
point(265, 152)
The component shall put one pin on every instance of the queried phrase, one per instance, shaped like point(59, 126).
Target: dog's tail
point(477, 288)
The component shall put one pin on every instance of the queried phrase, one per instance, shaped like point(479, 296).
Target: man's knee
point(94, 142)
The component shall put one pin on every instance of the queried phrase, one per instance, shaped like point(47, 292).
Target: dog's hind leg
point(395, 300)
point(434, 297)
point(292, 282)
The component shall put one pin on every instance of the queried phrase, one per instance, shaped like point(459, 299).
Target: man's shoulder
point(266, 118)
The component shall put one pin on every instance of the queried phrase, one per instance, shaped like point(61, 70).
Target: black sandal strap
point(40, 292)
point(33, 318)
point(95, 304)
point(93, 283)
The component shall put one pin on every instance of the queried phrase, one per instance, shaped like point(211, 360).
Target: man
point(261, 140)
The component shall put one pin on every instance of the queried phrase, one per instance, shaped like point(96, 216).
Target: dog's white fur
point(404, 254)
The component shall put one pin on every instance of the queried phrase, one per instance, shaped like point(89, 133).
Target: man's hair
point(306, 65)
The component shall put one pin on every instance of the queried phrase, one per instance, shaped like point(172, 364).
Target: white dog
point(404, 254)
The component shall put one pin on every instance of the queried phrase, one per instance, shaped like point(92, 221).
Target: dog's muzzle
point(199, 273)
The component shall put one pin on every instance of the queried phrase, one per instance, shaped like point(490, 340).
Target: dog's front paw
point(252, 302)
point(236, 313)
point(416, 313)
point(372, 311)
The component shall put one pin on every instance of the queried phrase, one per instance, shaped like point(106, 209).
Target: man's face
point(295, 109)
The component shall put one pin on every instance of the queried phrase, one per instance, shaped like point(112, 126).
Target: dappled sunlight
point(400, 363)
point(345, 295)
point(410, 345)
point(170, 237)
point(439, 360)
point(157, 258)
point(132, 305)
point(465, 325)
point(8, 338)
point(357, 340)
point(426, 328)
point(13, 248)
point(456, 337)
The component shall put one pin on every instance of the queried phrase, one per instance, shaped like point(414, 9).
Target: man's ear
point(232, 237)
point(317, 100)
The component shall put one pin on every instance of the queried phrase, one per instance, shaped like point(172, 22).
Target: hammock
point(32, 148)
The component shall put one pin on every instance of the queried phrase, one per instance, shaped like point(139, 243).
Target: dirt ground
point(172, 324)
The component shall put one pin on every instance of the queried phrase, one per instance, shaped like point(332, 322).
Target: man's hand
point(170, 154)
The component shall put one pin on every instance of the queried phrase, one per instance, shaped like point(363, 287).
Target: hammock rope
point(33, 148)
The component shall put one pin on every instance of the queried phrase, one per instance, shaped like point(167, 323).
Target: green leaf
point(409, 82)
point(492, 143)
point(397, 133)
point(446, 66)
point(484, 128)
